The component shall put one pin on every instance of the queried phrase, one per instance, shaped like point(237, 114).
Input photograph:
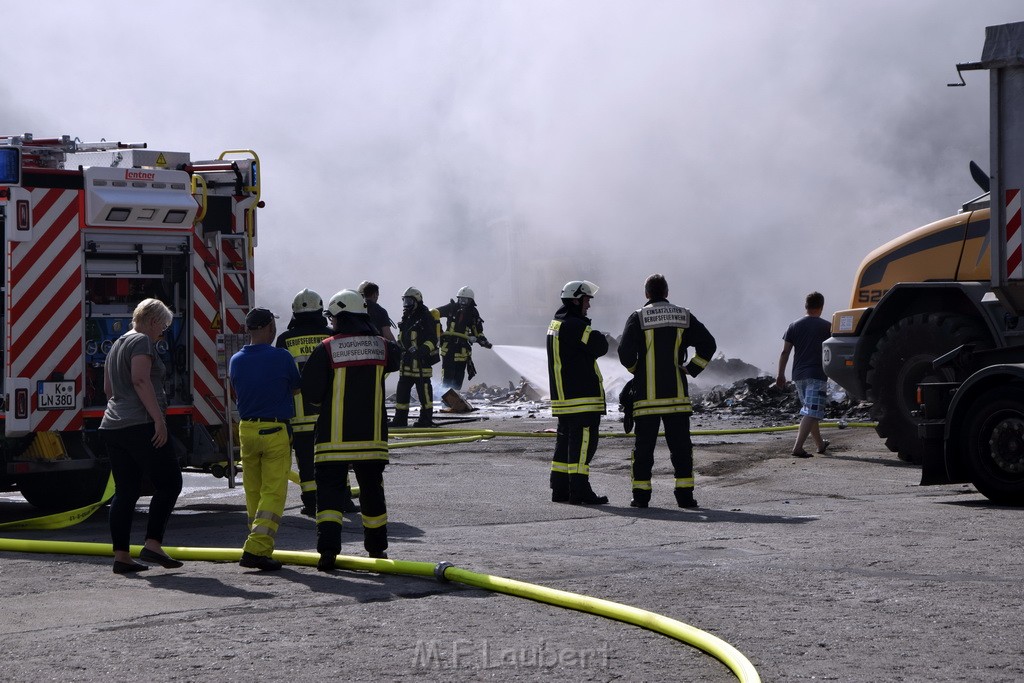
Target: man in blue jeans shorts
point(806, 336)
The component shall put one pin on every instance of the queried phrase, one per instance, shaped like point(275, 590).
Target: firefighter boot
point(580, 492)
point(347, 504)
point(308, 504)
point(684, 497)
point(559, 487)
point(401, 418)
point(641, 498)
point(326, 562)
point(426, 418)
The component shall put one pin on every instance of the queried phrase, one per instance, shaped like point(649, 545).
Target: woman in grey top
point(134, 431)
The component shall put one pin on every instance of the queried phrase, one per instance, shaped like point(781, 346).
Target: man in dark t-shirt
point(806, 336)
point(378, 314)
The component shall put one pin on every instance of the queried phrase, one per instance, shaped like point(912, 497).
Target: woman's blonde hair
point(151, 310)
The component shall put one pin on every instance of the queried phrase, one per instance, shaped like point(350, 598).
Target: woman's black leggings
point(132, 457)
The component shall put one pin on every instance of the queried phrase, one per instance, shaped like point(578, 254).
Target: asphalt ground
point(839, 567)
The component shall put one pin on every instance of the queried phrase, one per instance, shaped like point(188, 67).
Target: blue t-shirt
point(806, 336)
point(265, 379)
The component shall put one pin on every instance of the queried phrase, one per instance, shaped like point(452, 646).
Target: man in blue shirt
point(806, 336)
point(264, 379)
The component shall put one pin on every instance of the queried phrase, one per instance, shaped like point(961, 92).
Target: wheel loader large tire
point(902, 360)
point(993, 444)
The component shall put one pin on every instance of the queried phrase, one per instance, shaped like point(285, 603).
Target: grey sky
point(750, 151)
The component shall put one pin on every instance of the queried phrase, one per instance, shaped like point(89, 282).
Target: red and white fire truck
point(89, 230)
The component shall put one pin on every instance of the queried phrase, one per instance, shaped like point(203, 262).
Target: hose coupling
point(439, 569)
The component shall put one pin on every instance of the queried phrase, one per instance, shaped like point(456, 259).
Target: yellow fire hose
point(677, 630)
point(444, 571)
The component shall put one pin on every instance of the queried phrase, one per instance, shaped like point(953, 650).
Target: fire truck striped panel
point(207, 388)
point(44, 302)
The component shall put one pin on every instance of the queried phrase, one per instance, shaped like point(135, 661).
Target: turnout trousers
point(403, 394)
point(266, 461)
point(331, 483)
point(453, 372)
point(302, 443)
point(575, 445)
point(680, 448)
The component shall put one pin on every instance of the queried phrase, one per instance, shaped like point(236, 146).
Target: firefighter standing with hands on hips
point(464, 328)
point(417, 336)
point(306, 330)
point(653, 348)
point(577, 394)
point(344, 376)
point(264, 379)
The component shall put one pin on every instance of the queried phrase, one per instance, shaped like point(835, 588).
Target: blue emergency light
point(10, 166)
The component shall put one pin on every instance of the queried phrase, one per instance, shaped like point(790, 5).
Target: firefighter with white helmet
point(577, 394)
point(306, 329)
point(463, 328)
point(344, 377)
point(417, 337)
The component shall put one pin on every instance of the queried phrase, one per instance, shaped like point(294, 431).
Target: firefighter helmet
point(466, 293)
point(307, 300)
point(577, 289)
point(347, 301)
point(412, 297)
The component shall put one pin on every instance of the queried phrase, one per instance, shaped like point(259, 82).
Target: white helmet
point(307, 300)
point(347, 301)
point(466, 292)
point(413, 293)
point(577, 289)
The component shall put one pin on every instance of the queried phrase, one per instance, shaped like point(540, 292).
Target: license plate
point(56, 395)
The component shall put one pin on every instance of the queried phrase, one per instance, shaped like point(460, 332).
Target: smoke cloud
point(750, 151)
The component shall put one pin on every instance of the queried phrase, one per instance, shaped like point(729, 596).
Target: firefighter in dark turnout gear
point(417, 337)
point(577, 394)
point(306, 330)
point(463, 328)
point(653, 348)
point(344, 376)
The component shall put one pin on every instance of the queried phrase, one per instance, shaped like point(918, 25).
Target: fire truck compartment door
point(122, 197)
point(18, 406)
point(18, 215)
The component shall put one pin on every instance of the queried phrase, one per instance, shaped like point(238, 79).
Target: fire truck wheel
point(993, 442)
point(902, 360)
point(65, 490)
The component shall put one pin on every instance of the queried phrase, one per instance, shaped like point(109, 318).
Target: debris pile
point(759, 397)
point(514, 393)
point(752, 397)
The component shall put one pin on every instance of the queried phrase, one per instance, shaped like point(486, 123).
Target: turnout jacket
point(463, 322)
point(653, 348)
point(305, 332)
point(417, 337)
point(573, 376)
point(344, 376)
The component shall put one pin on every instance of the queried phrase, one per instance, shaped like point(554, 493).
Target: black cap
point(259, 318)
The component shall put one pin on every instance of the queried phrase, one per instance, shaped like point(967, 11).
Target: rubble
point(752, 397)
point(759, 397)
